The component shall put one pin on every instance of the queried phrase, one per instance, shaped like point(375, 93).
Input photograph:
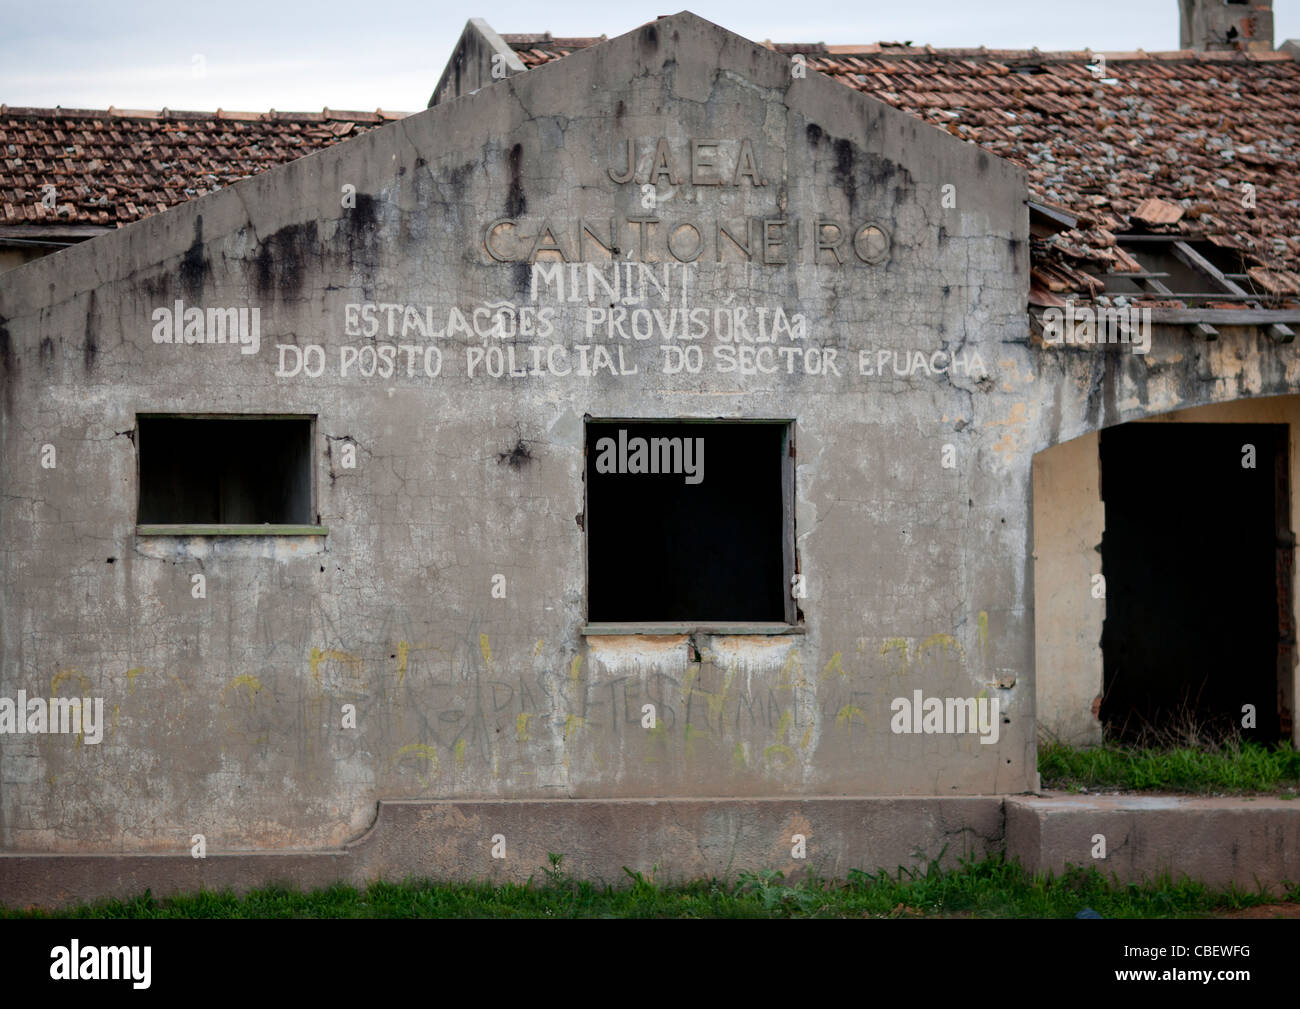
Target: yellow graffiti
point(131, 674)
point(846, 715)
point(574, 667)
point(807, 735)
point(253, 684)
point(485, 647)
point(692, 670)
point(521, 726)
point(82, 682)
point(317, 656)
point(403, 649)
point(778, 749)
point(659, 734)
point(900, 645)
point(691, 734)
point(792, 665)
point(944, 642)
point(738, 756)
point(835, 666)
point(537, 650)
point(983, 629)
point(459, 752)
point(424, 750)
point(572, 723)
point(717, 702)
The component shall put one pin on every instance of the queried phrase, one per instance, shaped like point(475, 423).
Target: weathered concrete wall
point(1069, 518)
point(913, 454)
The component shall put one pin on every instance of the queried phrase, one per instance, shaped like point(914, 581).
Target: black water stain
point(516, 201)
point(455, 180)
point(8, 364)
point(521, 275)
point(90, 347)
point(6, 348)
point(194, 265)
point(845, 176)
point(282, 255)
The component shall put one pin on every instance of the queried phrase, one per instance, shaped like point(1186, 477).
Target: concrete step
point(1235, 839)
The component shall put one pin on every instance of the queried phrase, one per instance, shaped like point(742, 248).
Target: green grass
point(992, 888)
point(1234, 767)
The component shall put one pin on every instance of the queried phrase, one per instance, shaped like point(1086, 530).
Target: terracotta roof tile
point(114, 166)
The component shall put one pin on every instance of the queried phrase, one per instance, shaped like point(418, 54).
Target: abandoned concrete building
point(658, 449)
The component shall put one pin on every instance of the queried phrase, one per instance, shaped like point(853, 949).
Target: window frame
point(214, 529)
point(794, 622)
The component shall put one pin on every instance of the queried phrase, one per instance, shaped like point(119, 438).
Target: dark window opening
point(225, 470)
point(1197, 561)
point(665, 546)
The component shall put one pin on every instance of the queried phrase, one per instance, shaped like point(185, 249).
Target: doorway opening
point(1197, 561)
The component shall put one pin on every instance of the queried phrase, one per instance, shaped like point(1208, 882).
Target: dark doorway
point(708, 545)
point(1196, 560)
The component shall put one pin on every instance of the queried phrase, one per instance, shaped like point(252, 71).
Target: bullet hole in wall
point(517, 457)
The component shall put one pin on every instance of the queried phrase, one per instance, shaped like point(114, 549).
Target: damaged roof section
point(1187, 144)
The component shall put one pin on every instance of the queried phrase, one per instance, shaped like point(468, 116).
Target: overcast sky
point(297, 56)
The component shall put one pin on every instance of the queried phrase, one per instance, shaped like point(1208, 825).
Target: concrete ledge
point(1215, 841)
point(53, 881)
point(673, 839)
point(683, 838)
